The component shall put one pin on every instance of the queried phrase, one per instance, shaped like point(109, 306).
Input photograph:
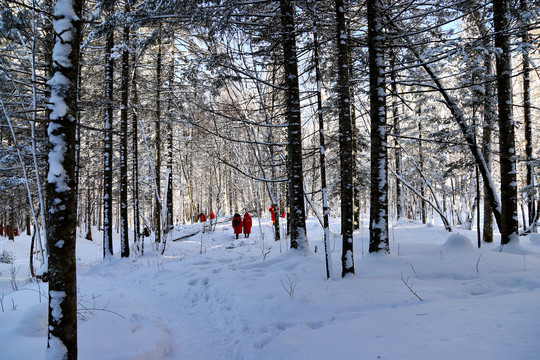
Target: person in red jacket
point(272, 210)
point(247, 224)
point(202, 219)
point(212, 220)
point(237, 224)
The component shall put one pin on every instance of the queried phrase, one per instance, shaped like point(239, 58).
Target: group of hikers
point(211, 217)
point(240, 224)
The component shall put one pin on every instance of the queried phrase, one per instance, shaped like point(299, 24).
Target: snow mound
point(514, 247)
point(534, 239)
point(34, 321)
point(458, 241)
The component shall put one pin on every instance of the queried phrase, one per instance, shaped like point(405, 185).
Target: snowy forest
point(134, 117)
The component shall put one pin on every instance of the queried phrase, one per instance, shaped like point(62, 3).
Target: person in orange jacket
point(237, 224)
point(247, 224)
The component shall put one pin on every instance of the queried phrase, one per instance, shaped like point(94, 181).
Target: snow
point(213, 297)
point(57, 297)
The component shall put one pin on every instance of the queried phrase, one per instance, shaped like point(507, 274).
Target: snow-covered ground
point(213, 297)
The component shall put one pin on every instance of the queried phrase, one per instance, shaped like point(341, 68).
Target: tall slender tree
point(378, 222)
point(108, 146)
point(62, 204)
point(346, 146)
point(157, 140)
point(507, 149)
point(527, 116)
point(124, 96)
point(397, 148)
point(139, 243)
point(297, 216)
point(322, 143)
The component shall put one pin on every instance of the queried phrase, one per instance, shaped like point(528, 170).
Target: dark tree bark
point(108, 149)
point(124, 94)
point(170, 154)
point(423, 210)
point(62, 204)
point(28, 224)
point(355, 140)
point(139, 243)
point(88, 224)
point(527, 121)
point(11, 224)
point(157, 143)
point(378, 223)
point(489, 116)
point(297, 216)
point(509, 220)
point(346, 155)
point(489, 122)
point(397, 151)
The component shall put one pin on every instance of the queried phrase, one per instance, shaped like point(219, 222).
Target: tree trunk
point(322, 147)
point(28, 225)
point(62, 210)
point(124, 93)
point(273, 187)
point(88, 235)
point(527, 121)
point(378, 223)
point(489, 121)
point(507, 149)
point(423, 210)
point(11, 224)
point(397, 151)
point(355, 141)
point(169, 219)
point(108, 149)
point(297, 217)
point(346, 147)
point(157, 143)
point(139, 243)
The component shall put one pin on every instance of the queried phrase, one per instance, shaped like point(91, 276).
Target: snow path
point(232, 303)
point(194, 318)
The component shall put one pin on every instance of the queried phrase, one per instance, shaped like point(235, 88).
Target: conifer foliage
point(137, 116)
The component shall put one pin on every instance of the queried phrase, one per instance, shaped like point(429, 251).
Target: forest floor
point(210, 296)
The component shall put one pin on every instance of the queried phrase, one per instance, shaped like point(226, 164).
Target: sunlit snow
point(213, 297)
